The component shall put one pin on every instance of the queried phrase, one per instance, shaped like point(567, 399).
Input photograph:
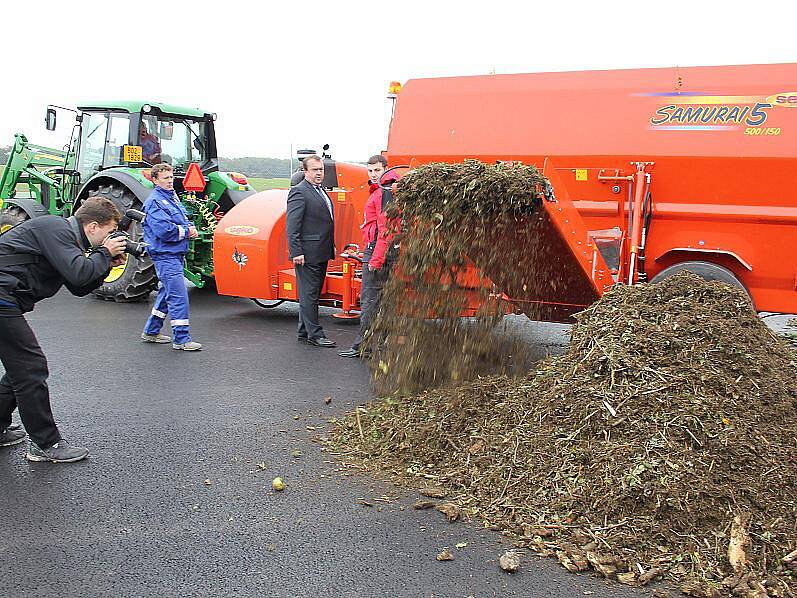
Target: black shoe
point(60, 452)
point(12, 435)
point(321, 341)
point(350, 353)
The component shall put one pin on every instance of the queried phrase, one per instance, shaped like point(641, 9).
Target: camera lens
point(135, 249)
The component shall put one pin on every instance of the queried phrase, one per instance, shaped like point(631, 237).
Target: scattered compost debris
point(433, 492)
point(450, 510)
point(278, 484)
point(445, 555)
point(663, 443)
point(510, 561)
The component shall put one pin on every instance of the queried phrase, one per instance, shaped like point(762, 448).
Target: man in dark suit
point(311, 244)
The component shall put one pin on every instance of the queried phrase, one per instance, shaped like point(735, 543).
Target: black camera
point(134, 248)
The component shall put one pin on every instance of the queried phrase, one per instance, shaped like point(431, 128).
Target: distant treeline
point(267, 168)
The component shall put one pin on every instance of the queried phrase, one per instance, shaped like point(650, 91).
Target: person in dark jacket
point(310, 224)
point(37, 257)
point(167, 230)
point(376, 243)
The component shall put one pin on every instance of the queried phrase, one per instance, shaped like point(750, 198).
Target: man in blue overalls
point(166, 232)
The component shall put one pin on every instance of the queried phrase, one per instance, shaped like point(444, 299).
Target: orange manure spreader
point(651, 171)
point(250, 245)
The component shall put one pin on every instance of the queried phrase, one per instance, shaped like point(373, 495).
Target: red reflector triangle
point(193, 181)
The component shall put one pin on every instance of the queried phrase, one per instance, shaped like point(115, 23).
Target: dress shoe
point(321, 341)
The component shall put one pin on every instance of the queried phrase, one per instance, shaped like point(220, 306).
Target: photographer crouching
point(37, 257)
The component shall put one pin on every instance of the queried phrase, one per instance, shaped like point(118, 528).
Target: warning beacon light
point(393, 90)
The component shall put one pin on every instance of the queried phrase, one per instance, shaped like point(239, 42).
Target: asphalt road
point(138, 517)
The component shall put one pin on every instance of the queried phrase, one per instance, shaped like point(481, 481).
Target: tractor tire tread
point(137, 285)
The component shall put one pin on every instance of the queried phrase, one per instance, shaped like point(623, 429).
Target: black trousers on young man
point(373, 283)
point(24, 384)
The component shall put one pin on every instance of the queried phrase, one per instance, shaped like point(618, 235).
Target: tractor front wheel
point(136, 279)
point(11, 216)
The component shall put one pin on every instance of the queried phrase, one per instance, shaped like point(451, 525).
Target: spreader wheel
point(268, 304)
point(706, 271)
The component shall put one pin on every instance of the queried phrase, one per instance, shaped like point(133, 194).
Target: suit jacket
point(310, 228)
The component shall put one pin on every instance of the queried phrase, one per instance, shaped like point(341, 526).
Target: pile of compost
point(448, 215)
point(662, 443)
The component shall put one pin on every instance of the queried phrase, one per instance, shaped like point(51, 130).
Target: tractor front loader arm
point(29, 164)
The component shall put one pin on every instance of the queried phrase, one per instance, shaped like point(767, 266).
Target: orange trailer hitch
point(350, 263)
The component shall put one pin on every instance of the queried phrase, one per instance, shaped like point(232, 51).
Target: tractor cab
point(136, 134)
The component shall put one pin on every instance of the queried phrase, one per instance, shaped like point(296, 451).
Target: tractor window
point(92, 143)
point(118, 136)
point(181, 142)
point(148, 139)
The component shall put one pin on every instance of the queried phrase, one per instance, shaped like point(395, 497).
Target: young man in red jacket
point(376, 242)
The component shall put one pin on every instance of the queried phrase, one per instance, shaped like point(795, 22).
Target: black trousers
point(24, 384)
point(310, 279)
point(373, 283)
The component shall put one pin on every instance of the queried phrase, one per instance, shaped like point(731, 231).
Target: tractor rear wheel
point(136, 279)
point(11, 216)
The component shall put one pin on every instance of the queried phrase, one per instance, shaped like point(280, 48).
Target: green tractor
point(112, 147)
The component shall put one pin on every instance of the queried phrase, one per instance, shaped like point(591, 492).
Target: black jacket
point(310, 228)
point(62, 261)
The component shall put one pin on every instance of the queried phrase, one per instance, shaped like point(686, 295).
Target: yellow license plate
point(133, 153)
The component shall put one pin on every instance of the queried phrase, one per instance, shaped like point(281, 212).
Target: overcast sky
point(307, 73)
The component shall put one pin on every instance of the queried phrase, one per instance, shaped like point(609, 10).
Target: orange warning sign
point(193, 181)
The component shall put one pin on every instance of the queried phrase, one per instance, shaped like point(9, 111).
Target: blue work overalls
point(166, 234)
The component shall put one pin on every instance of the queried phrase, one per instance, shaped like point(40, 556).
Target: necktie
point(326, 199)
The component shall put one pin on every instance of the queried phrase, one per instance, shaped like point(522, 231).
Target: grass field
point(265, 184)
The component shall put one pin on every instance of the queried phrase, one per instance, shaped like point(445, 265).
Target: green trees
point(258, 167)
